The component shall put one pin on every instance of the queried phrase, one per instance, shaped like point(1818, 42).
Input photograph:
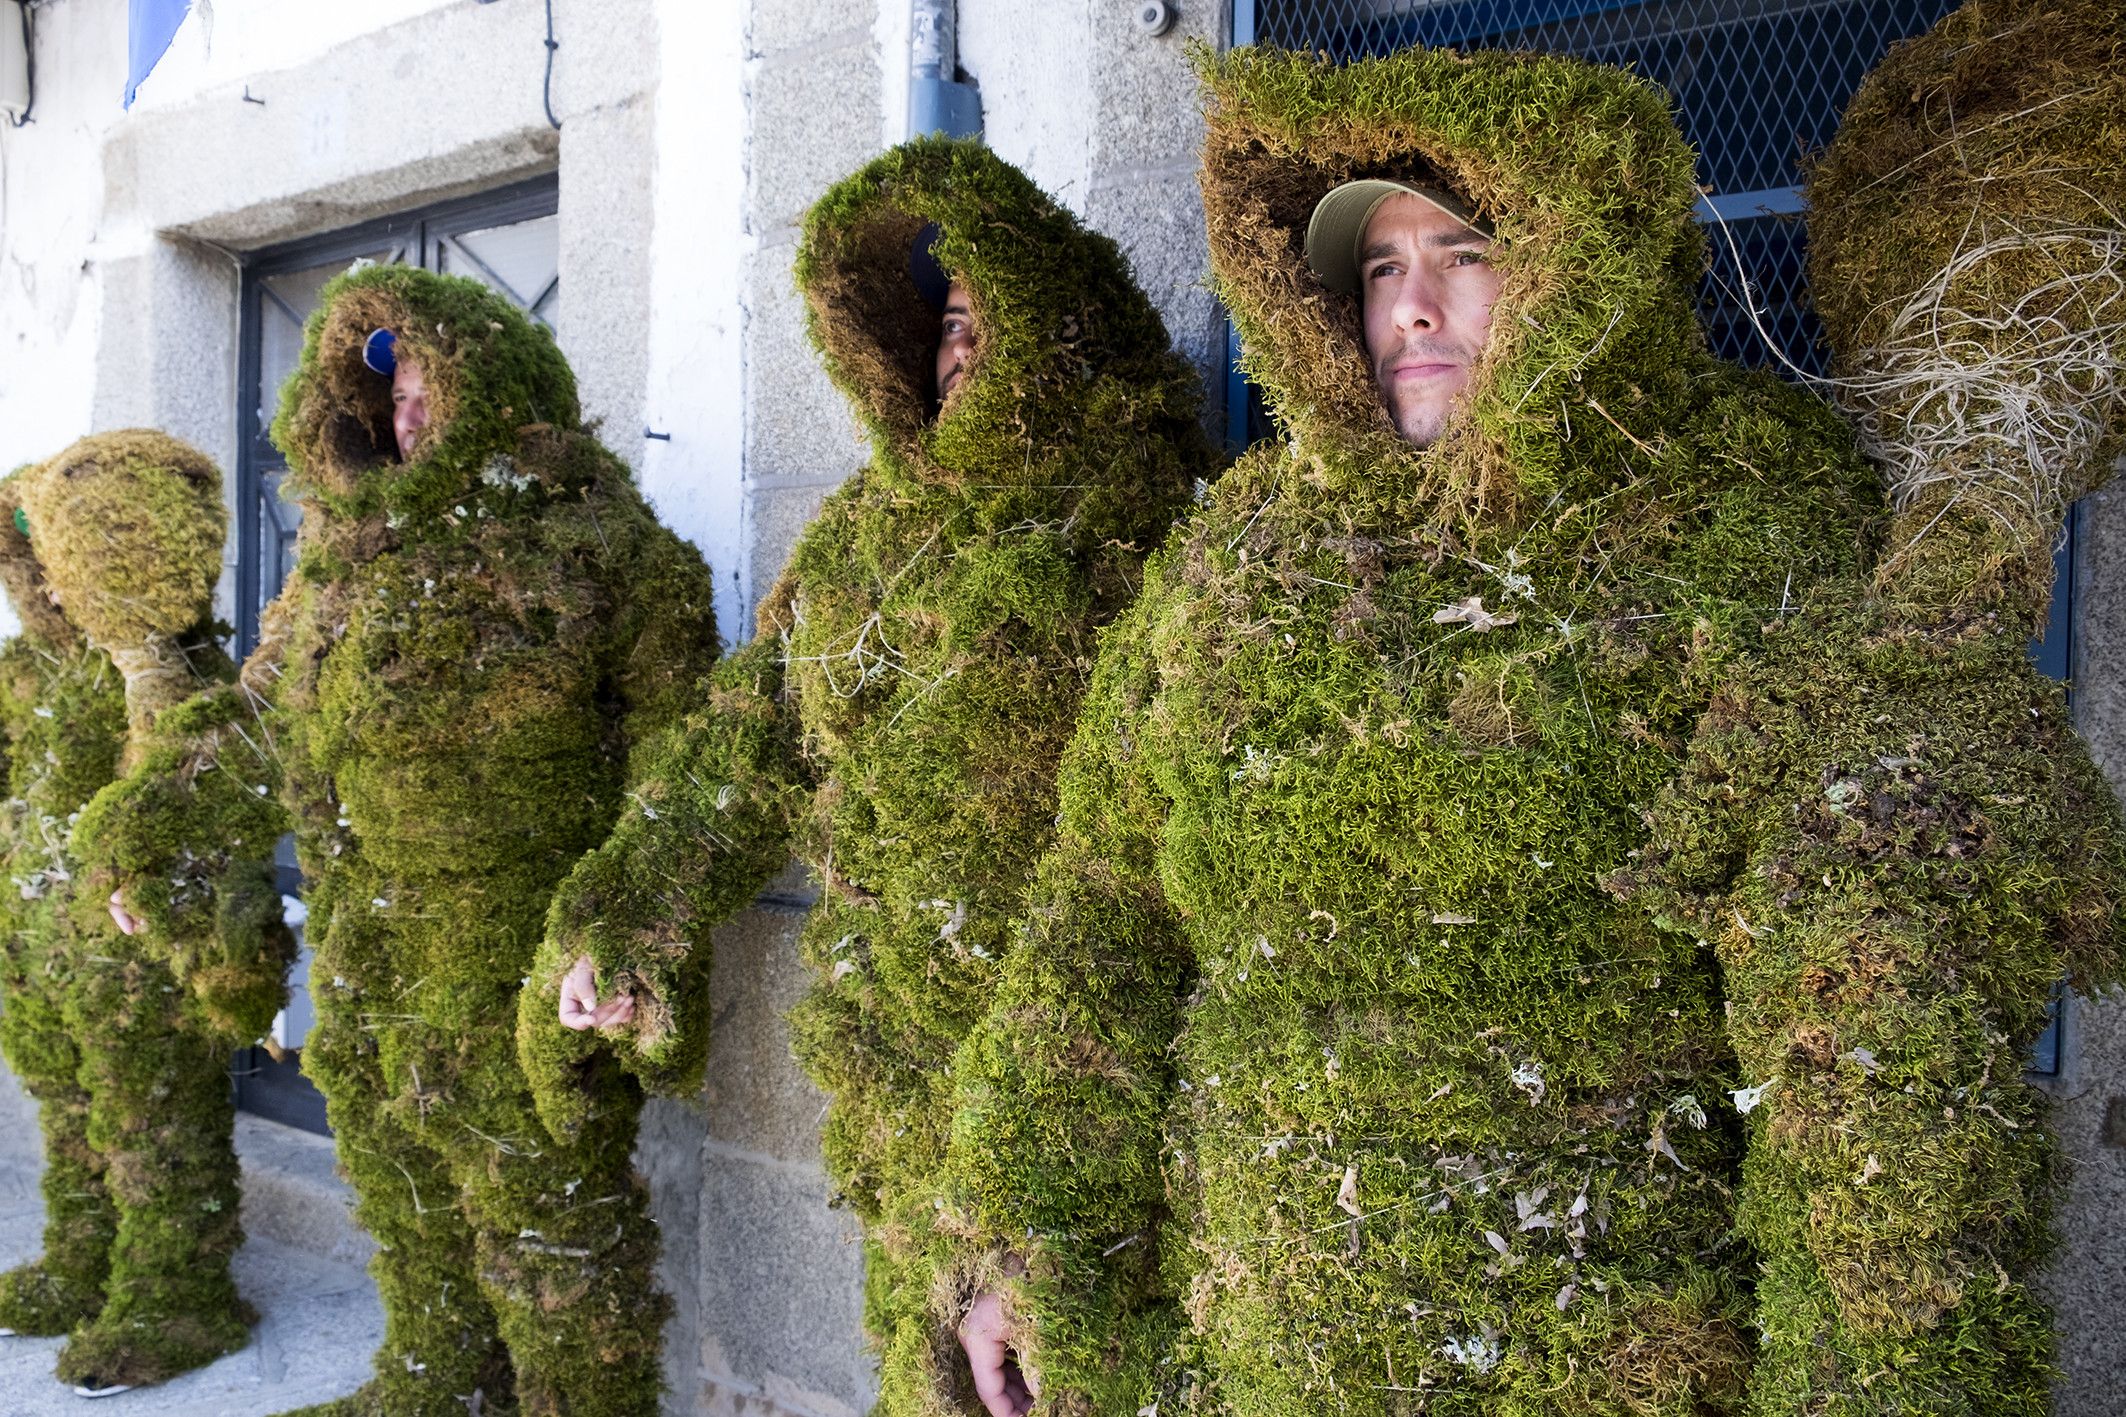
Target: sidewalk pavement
point(301, 1268)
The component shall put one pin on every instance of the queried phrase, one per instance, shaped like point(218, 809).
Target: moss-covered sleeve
point(704, 825)
point(665, 635)
point(1065, 1087)
point(1897, 846)
point(187, 839)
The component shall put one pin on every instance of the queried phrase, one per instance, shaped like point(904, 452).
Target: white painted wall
point(51, 205)
point(223, 43)
point(696, 391)
point(1032, 65)
point(56, 222)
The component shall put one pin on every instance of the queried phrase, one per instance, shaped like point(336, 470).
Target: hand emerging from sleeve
point(985, 1335)
point(580, 1009)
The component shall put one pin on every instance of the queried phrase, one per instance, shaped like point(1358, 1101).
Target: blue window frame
point(1758, 85)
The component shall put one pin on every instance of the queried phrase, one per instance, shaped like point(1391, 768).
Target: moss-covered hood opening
point(490, 372)
point(1068, 351)
point(128, 526)
point(1588, 184)
point(20, 574)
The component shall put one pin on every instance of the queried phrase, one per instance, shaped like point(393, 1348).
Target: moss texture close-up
point(1330, 1074)
point(898, 716)
point(446, 700)
point(1886, 826)
point(1967, 238)
point(123, 1042)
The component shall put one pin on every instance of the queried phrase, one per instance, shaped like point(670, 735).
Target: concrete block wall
point(805, 61)
point(779, 1283)
point(781, 1278)
point(1143, 180)
point(2087, 1281)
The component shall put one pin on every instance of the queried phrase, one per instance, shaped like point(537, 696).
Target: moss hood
point(1069, 351)
point(490, 371)
point(1589, 186)
point(128, 527)
point(1968, 256)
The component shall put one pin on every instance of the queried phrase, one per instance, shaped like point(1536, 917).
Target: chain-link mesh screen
point(1758, 85)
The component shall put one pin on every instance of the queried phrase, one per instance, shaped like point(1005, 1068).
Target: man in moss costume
point(1886, 826)
point(898, 716)
point(447, 696)
point(1329, 1074)
point(1390, 919)
point(110, 552)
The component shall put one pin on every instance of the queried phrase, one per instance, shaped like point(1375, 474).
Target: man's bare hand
point(580, 1008)
point(998, 1381)
point(127, 922)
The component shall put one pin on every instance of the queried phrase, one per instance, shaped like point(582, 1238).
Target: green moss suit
point(1331, 1074)
point(897, 719)
point(124, 1044)
point(446, 698)
point(1886, 826)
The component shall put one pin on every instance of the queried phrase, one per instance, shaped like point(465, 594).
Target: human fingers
point(617, 1010)
point(579, 996)
point(127, 922)
point(997, 1381)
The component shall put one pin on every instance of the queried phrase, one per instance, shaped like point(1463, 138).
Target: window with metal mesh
point(1758, 86)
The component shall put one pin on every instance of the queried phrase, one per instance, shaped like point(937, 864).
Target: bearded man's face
point(1427, 290)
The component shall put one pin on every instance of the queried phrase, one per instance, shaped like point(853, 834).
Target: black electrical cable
point(546, 90)
point(29, 51)
point(546, 93)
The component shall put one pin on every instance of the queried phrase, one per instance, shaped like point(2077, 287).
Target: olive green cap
point(1339, 224)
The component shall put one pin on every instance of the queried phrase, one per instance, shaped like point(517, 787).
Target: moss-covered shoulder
point(1966, 259)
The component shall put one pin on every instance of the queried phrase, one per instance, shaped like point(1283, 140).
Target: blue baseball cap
point(931, 281)
point(380, 352)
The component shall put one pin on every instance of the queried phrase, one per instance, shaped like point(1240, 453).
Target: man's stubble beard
point(1429, 423)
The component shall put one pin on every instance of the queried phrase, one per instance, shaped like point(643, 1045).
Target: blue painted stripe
point(150, 26)
point(1741, 206)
